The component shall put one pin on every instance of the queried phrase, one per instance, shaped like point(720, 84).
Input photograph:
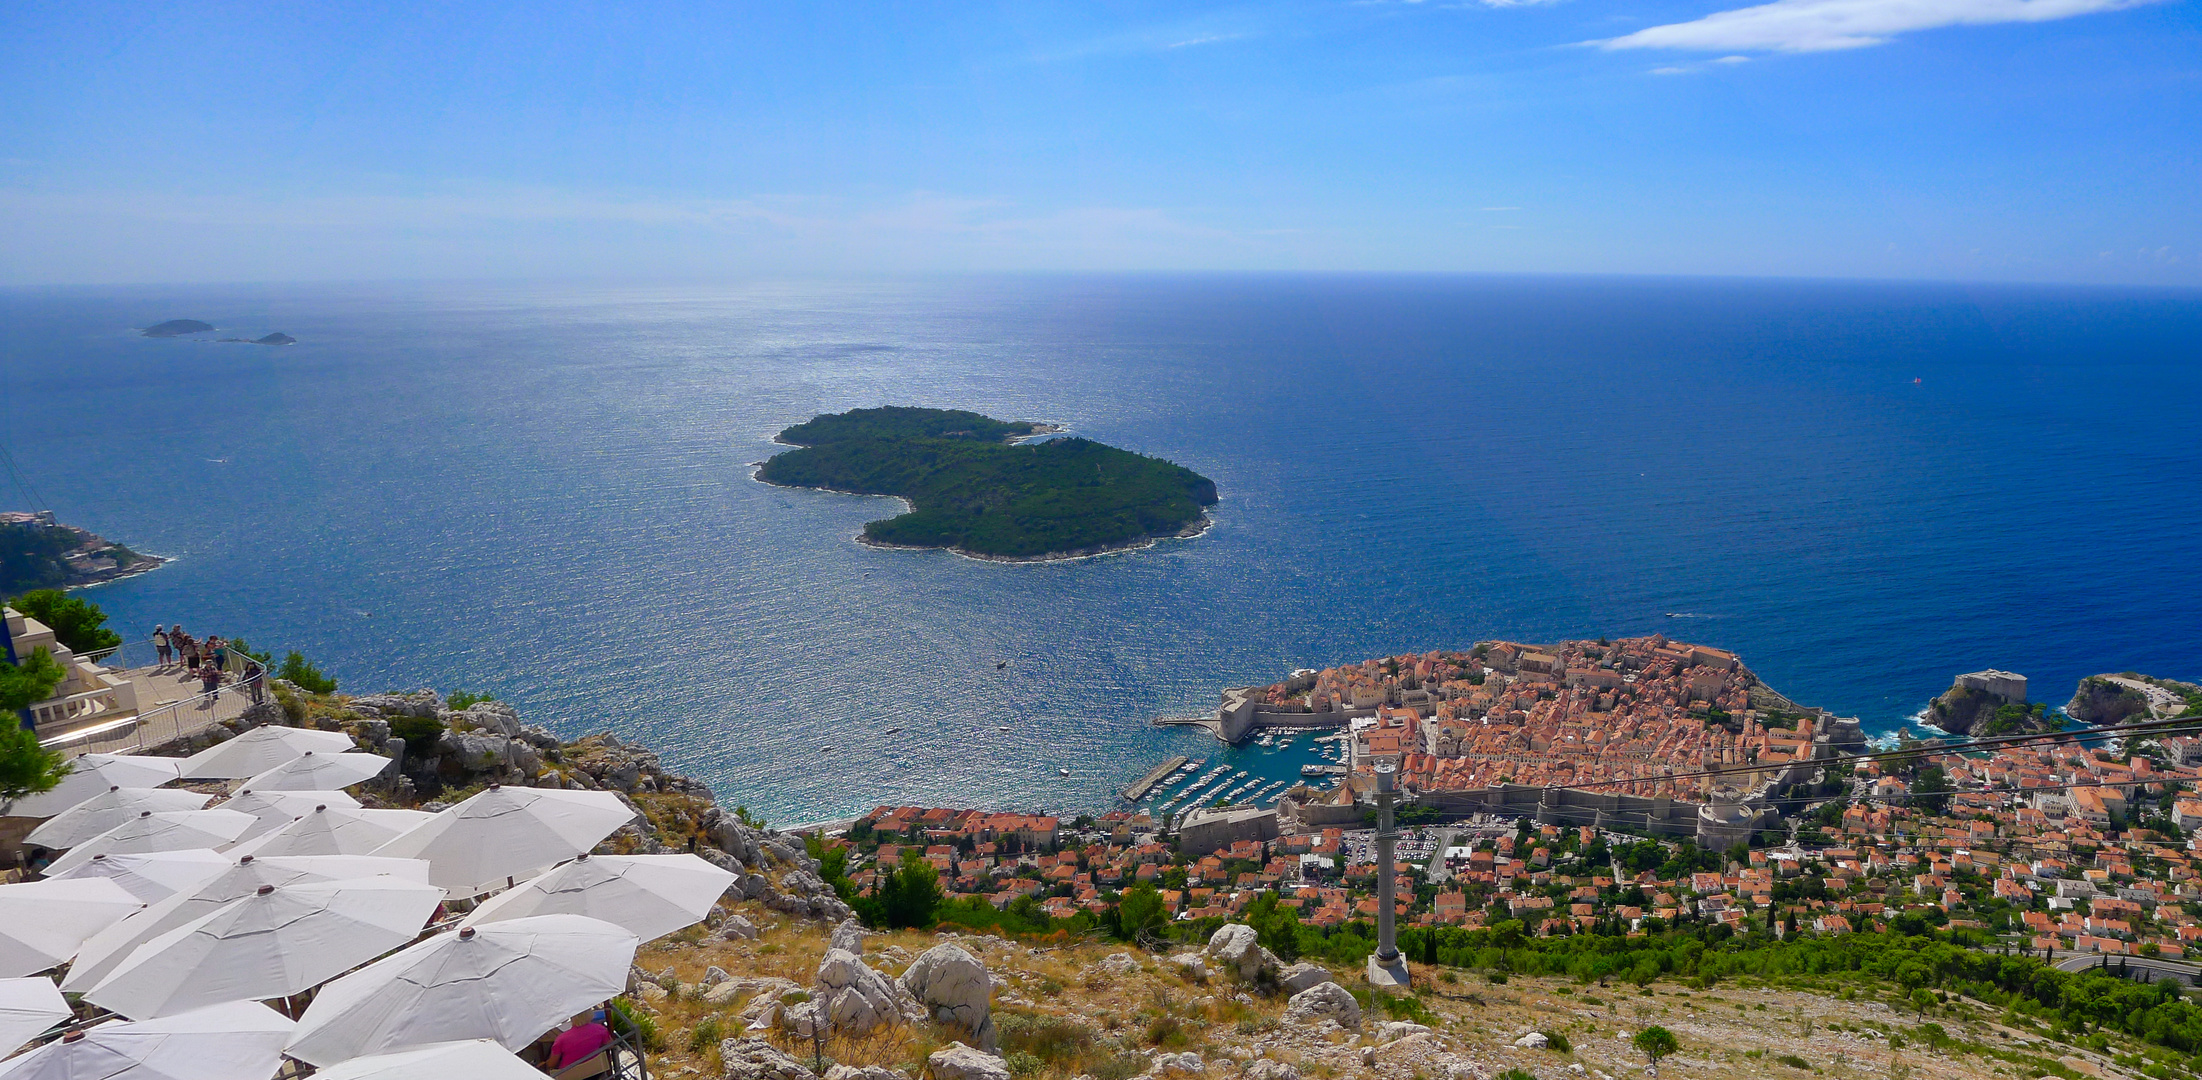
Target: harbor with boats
point(1256, 772)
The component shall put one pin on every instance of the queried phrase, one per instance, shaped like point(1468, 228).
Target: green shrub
point(1557, 1042)
point(1050, 1040)
point(76, 622)
point(1021, 1063)
point(419, 732)
point(1121, 1066)
point(1793, 1061)
point(307, 677)
point(705, 1035)
point(633, 1024)
point(462, 700)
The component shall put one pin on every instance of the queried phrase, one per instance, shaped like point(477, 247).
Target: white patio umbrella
point(91, 774)
point(315, 770)
point(277, 942)
point(236, 1040)
point(106, 810)
point(507, 981)
point(474, 1059)
point(651, 895)
point(42, 923)
point(272, 810)
point(27, 1007)
point(334, 830)
point(153, 876)
point(508, 832)
point(259, 750)
point(171, 830)
point(109, 947)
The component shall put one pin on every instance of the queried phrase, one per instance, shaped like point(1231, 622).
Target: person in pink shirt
point(578, 1042)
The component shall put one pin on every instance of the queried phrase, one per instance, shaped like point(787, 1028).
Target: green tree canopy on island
point(971, 490)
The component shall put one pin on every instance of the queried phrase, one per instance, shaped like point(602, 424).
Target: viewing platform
point(103, 704)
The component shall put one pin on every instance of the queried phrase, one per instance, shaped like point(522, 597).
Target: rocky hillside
point(780, 984)
point(2128, 697)
point(742, 1000)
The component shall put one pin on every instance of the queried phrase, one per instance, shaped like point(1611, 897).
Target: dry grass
point(1061, 1015)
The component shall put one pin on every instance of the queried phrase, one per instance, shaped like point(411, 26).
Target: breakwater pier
point(1138, 789)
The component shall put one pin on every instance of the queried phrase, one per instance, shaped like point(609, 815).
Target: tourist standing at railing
point(210, 680)
point(255, 680)
point(220, 649)
point(160, 645)
point(187, 650)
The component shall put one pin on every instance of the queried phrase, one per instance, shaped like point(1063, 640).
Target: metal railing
point(161, 723)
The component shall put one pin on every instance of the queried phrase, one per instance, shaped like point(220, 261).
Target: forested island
point(975, 488)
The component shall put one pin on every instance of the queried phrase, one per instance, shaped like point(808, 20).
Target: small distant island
point(975, 487)
point(176, 328)
point(271, 339)
point(37, 552)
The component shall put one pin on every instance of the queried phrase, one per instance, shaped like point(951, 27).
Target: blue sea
point(544, 493)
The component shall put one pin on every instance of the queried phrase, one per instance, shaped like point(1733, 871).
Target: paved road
point(2137, 967)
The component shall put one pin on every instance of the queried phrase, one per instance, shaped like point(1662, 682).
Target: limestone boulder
point(1185, 1064)
point(1300, 977)
point(1236, 949)
point(848, 936)
point(865, 1072)
point(960, 1062)
point(1400, 1029)
point(422, 703)
point(1327, 1001)
point(1266, 1069)
point(737, 928)
point(1190, 965)
point(756, 1059)
point(764, 996)
point(1535, 1040)
point(801, 1019)
point(954, 988)
point(1121, 964)
point(851, 998)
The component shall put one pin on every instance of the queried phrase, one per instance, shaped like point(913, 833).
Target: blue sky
point(2044, 140)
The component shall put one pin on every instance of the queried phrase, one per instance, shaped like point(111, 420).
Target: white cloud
point(1672, 70)
point(1822, 25)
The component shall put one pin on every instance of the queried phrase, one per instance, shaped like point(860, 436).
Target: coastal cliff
point(2128, 697)
point(37, 552)
point(1965, 710)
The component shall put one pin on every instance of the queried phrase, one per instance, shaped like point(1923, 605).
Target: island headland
point(176, 328)
point(37, 552)
point(277, 338)
point(976, 487)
